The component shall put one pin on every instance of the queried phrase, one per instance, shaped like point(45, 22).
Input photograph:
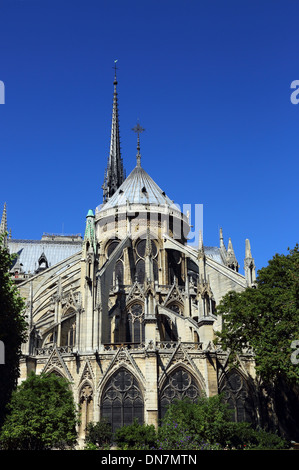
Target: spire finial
point(115, 68)
point(247, 249)
point(221, 237)
point(138, 129)
point(201, 250)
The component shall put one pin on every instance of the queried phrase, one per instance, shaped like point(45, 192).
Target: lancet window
point(68, 332)
point(135, 324)
point(118, 275)
point(140, 259)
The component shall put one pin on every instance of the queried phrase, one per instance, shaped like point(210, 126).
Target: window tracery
point(140, 259)
point(236, 394)
point(179, 385)
point(135, 324)
point(122, 400)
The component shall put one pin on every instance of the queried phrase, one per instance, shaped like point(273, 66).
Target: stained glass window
point(179, 385)
point(122, 400)
point(236, 394)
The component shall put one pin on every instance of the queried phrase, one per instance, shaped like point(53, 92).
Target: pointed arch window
point(140, 263)
point(68, 332)
point(118, 275)
point(174, 266)
point(237, 394)
point(119, 272)
point(122, 400)
point(179, 385)
point(135, 323)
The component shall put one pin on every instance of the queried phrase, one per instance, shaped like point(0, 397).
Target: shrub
point(237, 435)
point(207, 424)
point(172, 437)
point(98, 434)
point(204, 420)
point(263, 440)
point(136, 436)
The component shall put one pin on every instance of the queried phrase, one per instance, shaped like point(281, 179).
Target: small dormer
point(42, 263)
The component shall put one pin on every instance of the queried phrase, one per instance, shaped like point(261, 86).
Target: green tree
point(135, 436)
point(266, 318)
point(42, 415)
point(203, 421)
point(206, 425)
point(99, 434)
point(13, 329)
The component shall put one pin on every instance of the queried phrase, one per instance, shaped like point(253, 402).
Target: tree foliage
point(13, 328)
point(207, 424)
point(203, 420)
point(99, 434)
point(266, 319)
point(204, 425)
point(42, 415)
point(135, 436)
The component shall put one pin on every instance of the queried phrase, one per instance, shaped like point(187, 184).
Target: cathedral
point(127, 312)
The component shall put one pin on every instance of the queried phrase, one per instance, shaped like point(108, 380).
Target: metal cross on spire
point(138, 129)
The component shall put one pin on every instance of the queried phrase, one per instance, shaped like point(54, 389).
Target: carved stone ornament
point(86, 393)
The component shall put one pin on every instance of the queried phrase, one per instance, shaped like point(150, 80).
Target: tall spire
point(114, 174)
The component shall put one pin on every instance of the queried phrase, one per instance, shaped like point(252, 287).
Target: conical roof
point(139, 188)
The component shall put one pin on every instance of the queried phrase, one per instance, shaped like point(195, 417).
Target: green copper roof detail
point(90, 213)
point(90, 230)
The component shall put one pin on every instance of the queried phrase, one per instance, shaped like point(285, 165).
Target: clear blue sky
point(209, 81)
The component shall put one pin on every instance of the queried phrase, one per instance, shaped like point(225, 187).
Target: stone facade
point(129, 317)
